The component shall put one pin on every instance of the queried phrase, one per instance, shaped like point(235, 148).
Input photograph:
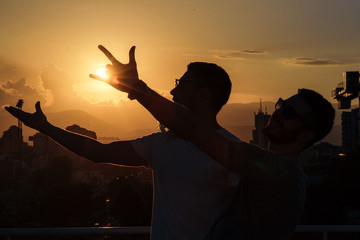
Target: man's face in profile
point(185, 91)
point(290, 118)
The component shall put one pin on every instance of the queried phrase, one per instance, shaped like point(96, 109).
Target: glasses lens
point(279, 103)
point(288, 112)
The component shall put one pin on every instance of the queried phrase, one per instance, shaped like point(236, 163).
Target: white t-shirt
point(191, 190)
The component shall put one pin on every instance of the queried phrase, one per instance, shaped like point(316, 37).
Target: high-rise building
point(261, 120)
point(345, 92)
point(9, 142)
point(350, 129)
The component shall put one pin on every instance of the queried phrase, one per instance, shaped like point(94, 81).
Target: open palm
point(36, 120)
point(121, 76)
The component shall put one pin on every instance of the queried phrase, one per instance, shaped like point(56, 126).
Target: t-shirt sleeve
point(149, 146)
point(259, 165)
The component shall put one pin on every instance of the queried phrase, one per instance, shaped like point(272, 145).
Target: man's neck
point(285, 149)
point(208, 118)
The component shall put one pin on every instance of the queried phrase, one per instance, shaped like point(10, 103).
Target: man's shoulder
point(149, 146)
point(151, 139)
point(155, 135)
point(228, 134)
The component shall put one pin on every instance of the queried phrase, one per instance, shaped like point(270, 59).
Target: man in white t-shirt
point(191, 190)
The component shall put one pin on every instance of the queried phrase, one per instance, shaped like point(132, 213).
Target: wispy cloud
point(187, 54)
point(253, 51)
point(237, 54)
point(312, 61)
point(7, 88)
point(11, 91)
point(226, 54)
point(52, 87)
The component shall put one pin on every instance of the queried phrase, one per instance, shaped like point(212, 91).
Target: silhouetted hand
point(123, 77)
point(36, 120)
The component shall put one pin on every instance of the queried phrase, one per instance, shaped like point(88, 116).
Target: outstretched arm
point(120, 153)
point(124, 77)
point(186, 125)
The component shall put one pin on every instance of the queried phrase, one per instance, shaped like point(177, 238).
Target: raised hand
point(36, 120)
point(121, 76)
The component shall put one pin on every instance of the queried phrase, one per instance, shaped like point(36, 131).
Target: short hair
point(215, 79)
point(322, 113)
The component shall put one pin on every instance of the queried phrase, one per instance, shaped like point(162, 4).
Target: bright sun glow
point(102, 72)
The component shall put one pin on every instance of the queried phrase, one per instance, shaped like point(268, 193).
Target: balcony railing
point(12, 232)
point(326, 229)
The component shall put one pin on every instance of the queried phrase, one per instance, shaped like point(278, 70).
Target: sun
point(102, 72)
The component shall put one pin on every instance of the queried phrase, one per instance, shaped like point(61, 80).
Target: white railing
point(9, 232)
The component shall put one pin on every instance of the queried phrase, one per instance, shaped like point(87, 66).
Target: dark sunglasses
point(289, 112)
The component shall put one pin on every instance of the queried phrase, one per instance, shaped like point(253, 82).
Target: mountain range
point(131, 122)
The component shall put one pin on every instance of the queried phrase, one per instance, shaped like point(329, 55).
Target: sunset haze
point(269, 49)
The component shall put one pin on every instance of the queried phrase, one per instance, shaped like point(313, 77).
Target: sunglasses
point(288, 112)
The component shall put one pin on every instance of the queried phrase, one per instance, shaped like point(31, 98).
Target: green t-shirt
point(270, 198)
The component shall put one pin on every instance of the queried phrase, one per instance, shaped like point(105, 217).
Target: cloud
point(17, 88)
point(21, 83)
point(311, 61)
point(59, 87)
point(238, 55)
point(226, 54)
point(253, 51)
point(53, 87)
point(12, 91)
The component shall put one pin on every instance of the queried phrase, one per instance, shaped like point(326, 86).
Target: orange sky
point(269, 48)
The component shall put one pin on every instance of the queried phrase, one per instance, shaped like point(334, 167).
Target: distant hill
point(64, 119)
point(132, 122)
point(244, 133)
point(242, 114)
point(238, 118)
point(101, 127)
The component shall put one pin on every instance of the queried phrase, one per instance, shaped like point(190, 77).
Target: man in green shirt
point(272, 185)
